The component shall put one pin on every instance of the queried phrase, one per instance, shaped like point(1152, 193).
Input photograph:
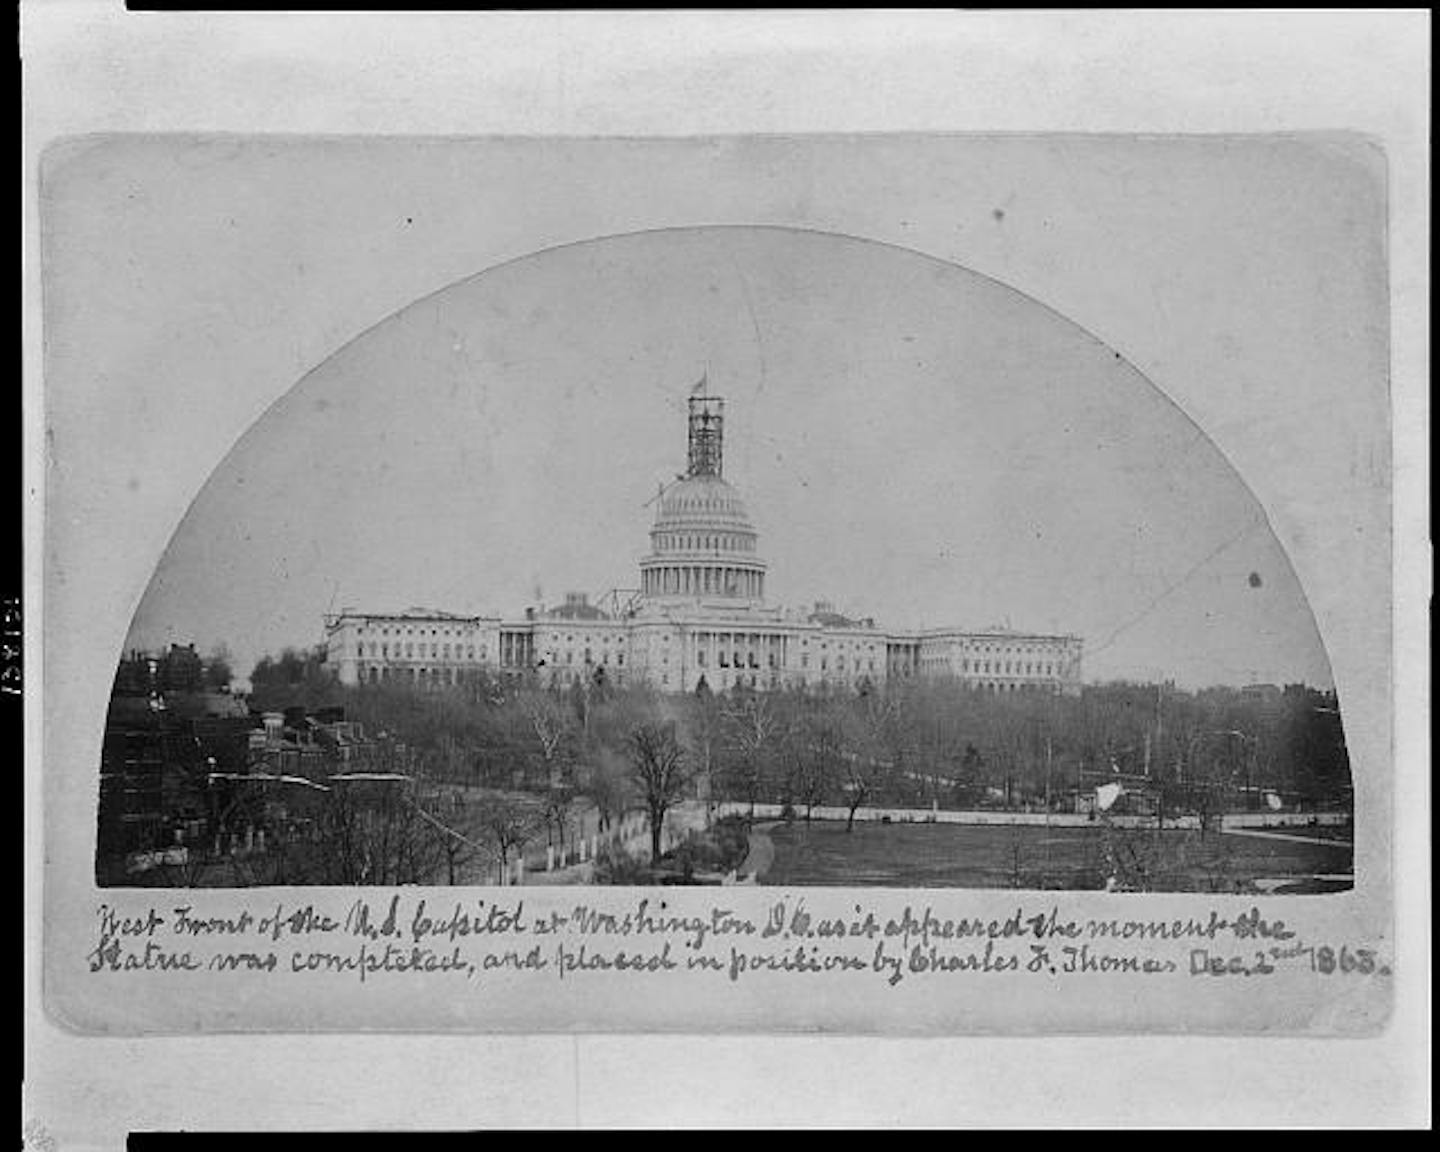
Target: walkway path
point(1284, 836)
point(762, 851)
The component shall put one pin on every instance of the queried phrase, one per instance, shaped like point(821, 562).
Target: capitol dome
point(703, 544)
point(702, 501)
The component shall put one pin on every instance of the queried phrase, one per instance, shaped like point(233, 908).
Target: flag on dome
point(699, 389)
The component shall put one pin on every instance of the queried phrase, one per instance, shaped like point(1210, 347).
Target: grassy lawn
point(970, 856)
point(1323, 832)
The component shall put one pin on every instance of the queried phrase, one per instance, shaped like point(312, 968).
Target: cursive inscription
point(404, 936)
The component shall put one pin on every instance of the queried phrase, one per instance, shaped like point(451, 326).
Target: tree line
point(919, 743)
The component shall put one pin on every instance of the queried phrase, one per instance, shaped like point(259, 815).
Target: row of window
point(1001, 649)
point(411, 651)
point(724, 542)
point(376, 674)
point(748, 638)
point(577, 677)
point(553, 657)
point(412, 631)
point(854, 645)
point(726, 659)
point(1010, 668)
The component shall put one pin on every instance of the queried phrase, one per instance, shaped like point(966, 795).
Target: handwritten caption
point(396, 935)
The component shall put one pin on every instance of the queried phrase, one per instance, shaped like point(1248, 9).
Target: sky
point(915, 442)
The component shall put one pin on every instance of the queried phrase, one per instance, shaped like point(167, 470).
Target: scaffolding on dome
point(620, 603)
point(707, 435)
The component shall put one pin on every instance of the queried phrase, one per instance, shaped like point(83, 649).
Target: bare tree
point(657, 764)
point(219, 668)
point(510, 824)
point(551, 724)
point(752, 727)
point(371, 834)
point(451, 817)
point(607, 784)
point(704, 726)
point(817, 758)
point(859, 784)
point(556, 814)
point(874, 753)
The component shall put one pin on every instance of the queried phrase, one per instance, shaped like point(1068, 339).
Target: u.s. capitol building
point(698, 615)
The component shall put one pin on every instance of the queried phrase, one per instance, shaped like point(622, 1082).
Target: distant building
point(1263, 693)
point(698, 615)
point(182, 770)
point(155, 767)
point(179, 669)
